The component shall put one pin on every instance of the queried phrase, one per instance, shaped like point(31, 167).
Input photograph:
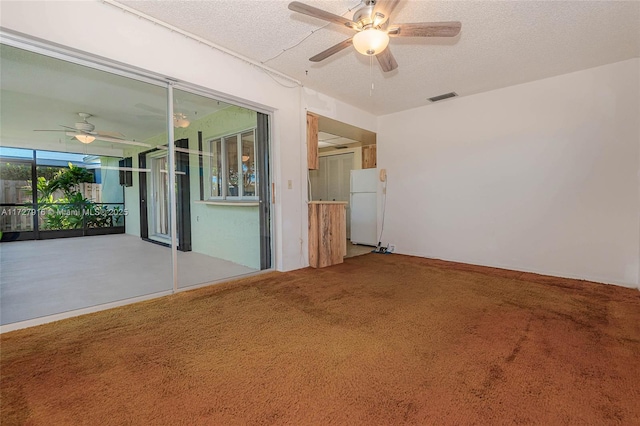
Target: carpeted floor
point(378, 340)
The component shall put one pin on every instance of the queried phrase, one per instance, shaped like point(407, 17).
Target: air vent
point(342, 147)
point(443, 97)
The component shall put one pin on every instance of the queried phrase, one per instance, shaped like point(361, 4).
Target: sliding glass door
point(99, 186)
point(222, 161)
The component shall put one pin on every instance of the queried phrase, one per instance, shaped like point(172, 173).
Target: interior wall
point(539, 177)
point(126, 38)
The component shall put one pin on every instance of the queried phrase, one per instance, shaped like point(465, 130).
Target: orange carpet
point(379, 340)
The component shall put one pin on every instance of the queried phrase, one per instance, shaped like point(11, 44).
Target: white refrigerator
point(364, 206)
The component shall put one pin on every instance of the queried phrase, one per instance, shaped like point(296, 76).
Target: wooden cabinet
point(327, 233)
point(312, 141)
point(369, 160)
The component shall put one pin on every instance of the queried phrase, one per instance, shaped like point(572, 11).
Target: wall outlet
point(392, 248)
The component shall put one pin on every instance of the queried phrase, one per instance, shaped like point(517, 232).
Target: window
point(233, 166)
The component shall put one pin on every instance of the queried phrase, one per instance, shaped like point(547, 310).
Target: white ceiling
point(327, 140)
point(502, 43)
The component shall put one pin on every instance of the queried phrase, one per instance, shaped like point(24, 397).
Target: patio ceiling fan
point(85, 132)
point(371, 21)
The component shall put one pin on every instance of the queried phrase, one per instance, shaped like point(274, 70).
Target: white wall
point(540, 177)
point(126, 38)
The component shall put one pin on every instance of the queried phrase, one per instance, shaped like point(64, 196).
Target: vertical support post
point(262, 160)
point(173, 223)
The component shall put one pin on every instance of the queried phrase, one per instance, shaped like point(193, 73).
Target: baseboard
point(554, 274)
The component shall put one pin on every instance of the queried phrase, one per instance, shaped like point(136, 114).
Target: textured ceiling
point(502, 43)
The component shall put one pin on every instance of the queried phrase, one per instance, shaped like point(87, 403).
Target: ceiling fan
point(371, 21)
point(85, 132)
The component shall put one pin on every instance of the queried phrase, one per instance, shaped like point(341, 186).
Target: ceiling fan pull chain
point(371, 74)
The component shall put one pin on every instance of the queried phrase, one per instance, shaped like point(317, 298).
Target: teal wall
point(111, 188)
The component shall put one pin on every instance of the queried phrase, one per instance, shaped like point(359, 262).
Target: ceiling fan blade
point(41, 130)
point(114, 135)
point(305, 9)
point(425, 29)
point(386, 60)
point(332, 50)
point(385, 8)
point(100, 137)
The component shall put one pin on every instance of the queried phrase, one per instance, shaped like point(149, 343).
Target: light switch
point(290, 184)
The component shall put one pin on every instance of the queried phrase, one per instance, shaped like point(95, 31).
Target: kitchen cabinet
point(327, 233)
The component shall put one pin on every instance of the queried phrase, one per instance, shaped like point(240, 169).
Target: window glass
point(248, 164)
point(231, 145)
point(216, 168)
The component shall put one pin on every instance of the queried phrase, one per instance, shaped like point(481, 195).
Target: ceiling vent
point(443, 97)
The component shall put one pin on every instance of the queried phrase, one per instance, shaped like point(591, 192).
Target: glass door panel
point(85, 247)
point(217, 164)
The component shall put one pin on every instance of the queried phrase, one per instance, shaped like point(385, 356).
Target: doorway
point(346, 172)
point(155, 213)
point(158, 207)
point(331, 182)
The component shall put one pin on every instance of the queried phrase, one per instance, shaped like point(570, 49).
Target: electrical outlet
point(392, 248)
point(290, 184)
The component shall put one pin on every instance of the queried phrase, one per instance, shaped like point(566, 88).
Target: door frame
point(183, 196)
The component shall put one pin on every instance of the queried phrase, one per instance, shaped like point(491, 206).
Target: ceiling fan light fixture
point(85, 138)
point(180, 120)
point(370, 41)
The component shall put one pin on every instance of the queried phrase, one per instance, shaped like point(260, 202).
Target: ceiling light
point(370, 41)
point(85, 138)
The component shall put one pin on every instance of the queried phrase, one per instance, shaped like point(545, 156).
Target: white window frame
point(225, 167)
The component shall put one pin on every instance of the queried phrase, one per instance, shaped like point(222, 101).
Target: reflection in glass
point(231, 145)
point(216, 168)
point(160, 196)
point(218, 155)
point(15, 196)
point(248, 164)
point(79, 241)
